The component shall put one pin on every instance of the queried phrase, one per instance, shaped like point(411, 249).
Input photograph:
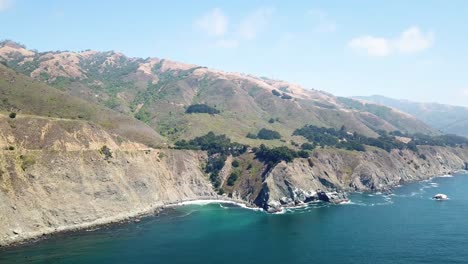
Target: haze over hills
point(446, 118)
point(158, 92)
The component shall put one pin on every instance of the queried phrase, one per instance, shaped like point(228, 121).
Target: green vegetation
point(268, 134)
point(213, 144)
point(26, 161)
point(344, 140)
point(233, 178)
point(271, 121)
point(12, 115)
point(307, 146)
point(218, 148)
point(281, 95)
point(106, 152)
point(235, 163)
point(272, 156)
point(201, 108)
point(39, 99)
point(251, 136)
point(387, 141)
point(448, 140)
point(276, 93)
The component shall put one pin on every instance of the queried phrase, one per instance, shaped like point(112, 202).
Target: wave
point(445, 176)
point(207, 201)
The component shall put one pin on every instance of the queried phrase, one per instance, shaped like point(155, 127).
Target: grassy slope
point(19, 93)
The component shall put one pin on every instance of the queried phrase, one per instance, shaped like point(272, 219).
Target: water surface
point(405, 227)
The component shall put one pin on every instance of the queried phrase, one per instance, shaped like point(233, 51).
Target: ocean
point(406, 226)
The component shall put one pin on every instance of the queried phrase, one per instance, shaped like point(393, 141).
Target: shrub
point(26, 162)
point(11, 148)
point(303, 154)
point(201, 108)
point(271, 121)
point(235, 163)
point(251, 136)
point(276, 93)
point(307, 146)
point(294, 143)
point(275, 155)
point(12, 115)
point(286, 96)
point(106, 152)
point(268, 134)
point(232, 179)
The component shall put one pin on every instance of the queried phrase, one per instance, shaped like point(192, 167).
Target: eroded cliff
point(58, 174)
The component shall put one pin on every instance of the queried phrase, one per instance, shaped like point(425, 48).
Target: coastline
point(121, 218)
point(150, 211)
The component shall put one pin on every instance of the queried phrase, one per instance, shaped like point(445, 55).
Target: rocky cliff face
point(56, 175)
point(374, 170)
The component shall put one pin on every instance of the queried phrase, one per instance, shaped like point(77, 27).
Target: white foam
point(206, 202)
point(345, 202)
point(446, 176)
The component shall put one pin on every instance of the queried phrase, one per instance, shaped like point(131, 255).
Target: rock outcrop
point(339, 170)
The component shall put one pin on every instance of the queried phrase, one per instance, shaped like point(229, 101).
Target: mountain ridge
point(158, 91)
point(446, 118)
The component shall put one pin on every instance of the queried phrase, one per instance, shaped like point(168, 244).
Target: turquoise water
point(406, 227)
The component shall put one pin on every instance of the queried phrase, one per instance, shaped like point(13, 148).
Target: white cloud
point(254, 23)
point(227, 43)
point(323, 21)
point(5, 4)
point(374, 46)
point(213, 23)
point(411, 40)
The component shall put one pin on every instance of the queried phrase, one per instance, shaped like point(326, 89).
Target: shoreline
point(151, 211)
point(118, 219)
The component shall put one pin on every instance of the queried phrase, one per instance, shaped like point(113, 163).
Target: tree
point(232, 179)
point(276, 93)
point(201, 108)
point(268, 134)
point(12, 115)
point(235, 163)
point(307, 146)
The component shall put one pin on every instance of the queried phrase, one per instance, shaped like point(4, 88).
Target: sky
point(416, 50)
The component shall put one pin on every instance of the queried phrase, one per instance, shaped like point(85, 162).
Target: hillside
point(89, 138)
point(446, 118)
point(24, 96)
point(159, 92)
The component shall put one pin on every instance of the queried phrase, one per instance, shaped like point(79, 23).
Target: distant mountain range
point(446, 118)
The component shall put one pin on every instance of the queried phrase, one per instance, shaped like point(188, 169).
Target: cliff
point(55, 175)
point(374, 170)
point(58, 175)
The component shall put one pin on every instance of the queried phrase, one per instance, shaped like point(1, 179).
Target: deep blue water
point(406, 227)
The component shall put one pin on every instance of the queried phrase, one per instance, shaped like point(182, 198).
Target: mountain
point(159, 92)
point(446, 118)
point(88, 138)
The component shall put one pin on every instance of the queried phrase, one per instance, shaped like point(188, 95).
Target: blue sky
point(414, 50)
